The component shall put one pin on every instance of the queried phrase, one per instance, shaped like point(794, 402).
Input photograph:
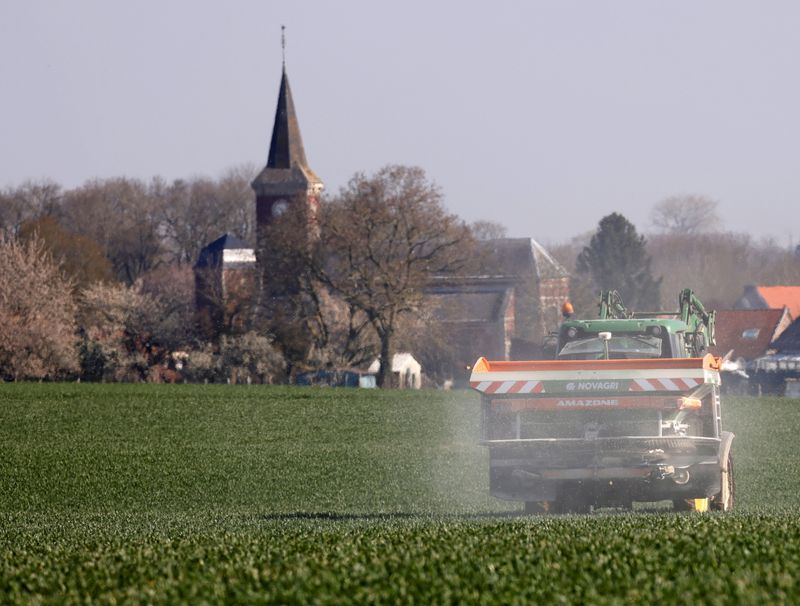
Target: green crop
point(192, 494)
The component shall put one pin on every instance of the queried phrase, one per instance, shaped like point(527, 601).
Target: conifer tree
point(616, 259)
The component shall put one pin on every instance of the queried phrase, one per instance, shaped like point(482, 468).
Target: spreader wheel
point(723, 501)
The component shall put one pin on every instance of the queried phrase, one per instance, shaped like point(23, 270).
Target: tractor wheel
point(723, 501)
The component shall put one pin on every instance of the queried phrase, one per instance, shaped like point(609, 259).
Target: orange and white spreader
point(571, 434)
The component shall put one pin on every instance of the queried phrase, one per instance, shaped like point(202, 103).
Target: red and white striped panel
point(501, 387)
point(678, 384)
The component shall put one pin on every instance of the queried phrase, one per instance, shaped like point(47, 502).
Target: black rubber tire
point(725, 499)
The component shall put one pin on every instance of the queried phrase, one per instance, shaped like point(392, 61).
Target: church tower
point(287, 197)
point(286, 181)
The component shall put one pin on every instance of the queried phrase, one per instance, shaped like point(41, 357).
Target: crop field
point(128, 494)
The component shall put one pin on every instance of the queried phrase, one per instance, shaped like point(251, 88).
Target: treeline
point(55, 329)
point(96, 282)
point(109, 291)
point(687, 247)
point(120, 229)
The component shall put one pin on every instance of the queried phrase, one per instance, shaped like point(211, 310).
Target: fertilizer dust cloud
point(448, 473)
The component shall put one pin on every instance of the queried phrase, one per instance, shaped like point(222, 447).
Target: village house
point(747, 334)
point(758, 336)
point(778, 372)
point(771, 297)
point(743, 336)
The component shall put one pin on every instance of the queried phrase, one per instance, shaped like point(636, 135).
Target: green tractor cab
point(686, 333)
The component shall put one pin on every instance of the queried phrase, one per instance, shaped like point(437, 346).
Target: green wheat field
point(129, 494)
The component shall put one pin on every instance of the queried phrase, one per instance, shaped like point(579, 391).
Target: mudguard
point(725, 446)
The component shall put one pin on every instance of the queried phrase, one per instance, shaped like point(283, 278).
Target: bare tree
point(194, 212)
point(37, 313)
point(88, 211)
point(191, 217)
point(689, 214)
point(345, 337)
point(488, 230)
point(28, 202)
point(236, 196)
point(12, 213)
point(381, 241)
point(432, 344)
point(173, 287)
point(81, 259)
point(719, 265)
point(312, 325)
point(121, 216)
point(137, 247)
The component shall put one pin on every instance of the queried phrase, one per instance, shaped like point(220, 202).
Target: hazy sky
point(544, 116)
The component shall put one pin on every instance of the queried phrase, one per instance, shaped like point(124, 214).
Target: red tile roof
point(780, 296)
point(748, 332)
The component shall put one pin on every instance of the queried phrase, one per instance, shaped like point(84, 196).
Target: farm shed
point(406, 371)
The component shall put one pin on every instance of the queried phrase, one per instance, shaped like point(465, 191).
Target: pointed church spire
point(287, 168)
point(286, 149)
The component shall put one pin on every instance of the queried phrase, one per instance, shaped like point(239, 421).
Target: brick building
point(225, 284)
point(505, 311)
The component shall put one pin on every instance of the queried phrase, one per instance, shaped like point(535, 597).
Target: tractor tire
point(723, 501)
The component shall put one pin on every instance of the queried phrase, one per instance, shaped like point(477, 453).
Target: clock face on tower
point(279, 207)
